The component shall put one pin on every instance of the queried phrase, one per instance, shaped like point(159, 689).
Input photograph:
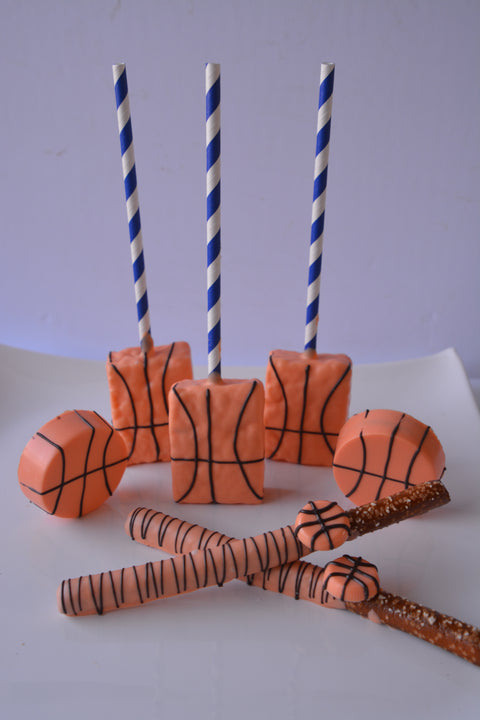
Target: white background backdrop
point(402, 254)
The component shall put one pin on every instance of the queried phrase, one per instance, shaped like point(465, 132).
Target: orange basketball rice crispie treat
point(380, 452)
point(72, 464)
point(216, 440)
point(306, 403)
point(139, 384)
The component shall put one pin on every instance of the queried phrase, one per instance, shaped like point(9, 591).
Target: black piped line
point(150, 402)
point(195, 443)
point(285, 415)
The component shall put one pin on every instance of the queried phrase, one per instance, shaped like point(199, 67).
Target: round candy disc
point(322, 525)
point(381, 452)
point(72, 464)
point(351, 579)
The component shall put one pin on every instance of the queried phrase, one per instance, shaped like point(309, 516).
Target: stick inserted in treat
point(307, 394)
point(139, 378)
point(216, 424)
point(133, 210)
point(308, 581)
point(129, 587)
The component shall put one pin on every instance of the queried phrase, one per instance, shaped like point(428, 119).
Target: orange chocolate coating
point(217, 441)
point(322, 525)
point(298, 579)
point(380, 452)
point(306, 404)
point(72, 464)
point(140, 584)
point(351, 579)
point(139, 384)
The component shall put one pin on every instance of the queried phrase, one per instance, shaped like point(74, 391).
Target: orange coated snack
point(306, 403)
point(380, 452)
point(139, 384)
point(351, 579)
point(72, 464)
point(217, 441)
point(322, 525)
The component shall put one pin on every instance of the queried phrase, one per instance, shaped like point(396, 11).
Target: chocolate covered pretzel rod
point(319, 526)
point(333, 586)
point(444, 631)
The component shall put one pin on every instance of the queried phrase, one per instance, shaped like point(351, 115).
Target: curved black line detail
point(132, 404)
point(235, 440)
point(164, 376)
point(209, 441)
point(195, 442)
point(389, 454)
point(150, 402)
point(414, 457)
point(285, 416)
point(361, 472)
point(302, 417)
point(87, 455)
point(325, 405)
point(62, 481)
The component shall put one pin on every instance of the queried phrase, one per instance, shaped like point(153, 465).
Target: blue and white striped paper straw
point(212, 88)
point(327, 72)
point(133, 211)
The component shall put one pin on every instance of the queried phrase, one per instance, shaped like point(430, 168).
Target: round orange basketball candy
point(351, 579)
point(380, 452)
point(72, 464)
point(322, 525)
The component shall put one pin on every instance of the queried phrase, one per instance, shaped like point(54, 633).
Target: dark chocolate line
point(209, 439)
point(240, 462)
point(213, 461)
point(87, 455)
point(415, 455)
point(302, 416)
point(389, 455)
point(361, 472)
point(141, 427)
point(320, 433)
point(164, 376)
point(285, 415)
point(62, 481)
point(325, 404)
point(195, 442)
point(150, 403)
point(132, 404)
point(377, 475)
point(63, 484)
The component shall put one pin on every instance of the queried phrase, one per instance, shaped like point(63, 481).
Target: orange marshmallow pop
point(307, 394)
point(216, 425)
point(321, 526)
point(72, 464)
point(382, 451)
point(139, 378)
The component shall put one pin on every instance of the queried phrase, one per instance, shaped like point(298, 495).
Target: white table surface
point(236, 651)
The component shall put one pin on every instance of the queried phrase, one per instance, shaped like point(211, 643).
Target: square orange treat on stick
point(217, 441)
point(140, 378)
point(306, 403)
point(216, 425)
point(307, 394)
point(139, 384)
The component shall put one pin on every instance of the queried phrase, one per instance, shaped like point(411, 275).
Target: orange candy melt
point(351, 579)
point(380, 452)
point(306, 404)
point(139, 385)
point(217, 441)
point(72, 464)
